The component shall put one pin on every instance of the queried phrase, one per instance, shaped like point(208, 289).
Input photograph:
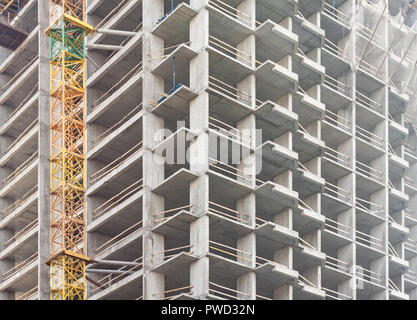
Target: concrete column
point(351, 53)
point(4, 203)
point(5, 265)
point(247, 205)
point(247, 163)
point(284, 256)
point(285, 140)
point(248, 8)
point(199, 270)
point(285, 179)
point(383, 266)
point(285, 292)
point(346, 254)
point(247, 284)
point(153, 170)
point(199, 150)
point(43, 144)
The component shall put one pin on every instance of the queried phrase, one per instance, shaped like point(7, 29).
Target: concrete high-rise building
point(235, 149)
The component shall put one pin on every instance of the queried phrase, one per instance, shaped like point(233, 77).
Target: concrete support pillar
point(247, 246)
point(345, 254)
point(247, 284)
point(153, 170)
point(199, 151)
point(285, 179)
point(199, 270)
point(284, 256)
point(285, 140)
point(247, 163)
point(285, 292)
point(286, 62)
point(248, 9)
point(315, 18)
point(285, 218)
point(247, 205)
point(43, 144)
point(5, 265)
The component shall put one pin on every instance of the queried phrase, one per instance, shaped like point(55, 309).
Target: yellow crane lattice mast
point(67, 32)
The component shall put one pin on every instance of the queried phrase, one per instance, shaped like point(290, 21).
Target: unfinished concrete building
point(317, 96)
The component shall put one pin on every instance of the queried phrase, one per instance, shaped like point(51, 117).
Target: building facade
point(236, 149)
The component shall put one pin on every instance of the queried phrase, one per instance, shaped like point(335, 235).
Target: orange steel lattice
point(74, 8)
point(11, 5)
point(67, 135)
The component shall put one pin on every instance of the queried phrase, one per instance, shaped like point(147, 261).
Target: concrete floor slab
point(397, 232)
point(121, 248)
point(397, 265)
point(306, 258)
point(22, 246)
point(329, 21)
point(307, 292)
point(116, 172)
point(22, 214)
point(117, 99)
point(309, 71)
point(306, 220)
point(226, 25)
point(21, 56)
point(335, 169)
point(225, 67)
point(183, 55)
point(116, 20)
point(219, 223)
point(230, 109)
point(307, 146)
point(21, 116)
point(179, 181)
point(308, 181)
point(277, 233)
point(22, 149)
point(179, 222)
point(127, 205)
point(274, 41)
point(278, 116)
point(333, 62)
point(113, 62)
point(20, 184)
point(309, 35)
point(272, 276)
point(334, 99)
point(332, 275)
point(276, 158)
point(276, 10)
point(176, 24)
point(307, 107)
point(25, 279)
point(333, 204)
point(18, 83)
point(334, 133)
point(129, 287)
point(368, 82)
point(180, 261)
point(134, 124)
point(176, 106)
point(273, 81)
point(226, 268)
